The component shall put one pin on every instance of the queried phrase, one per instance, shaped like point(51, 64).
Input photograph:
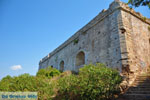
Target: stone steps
point(141, 83)
point(141, 86)
point(141, 78)
point(136, 96)
point(139, 90)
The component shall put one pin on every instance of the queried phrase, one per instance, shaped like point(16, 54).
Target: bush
point(24, 82)
point(67, 88)
point(98, 82)
point(93, 83)
point(48, 72)
point(5, 83)
point(45, 88)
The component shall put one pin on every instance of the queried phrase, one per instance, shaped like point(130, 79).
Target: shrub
point(24, 82)
point(46, 83)
point(67, 88)
point(48, 72)
point(45, 88)
point(93, 83)
point(5, 83)
point(98, 82)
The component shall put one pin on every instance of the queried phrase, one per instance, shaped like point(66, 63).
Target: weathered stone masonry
point(118, 37)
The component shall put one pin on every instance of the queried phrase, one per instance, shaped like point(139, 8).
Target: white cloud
point(16, 67)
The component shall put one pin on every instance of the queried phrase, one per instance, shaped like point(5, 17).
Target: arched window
point(80, 58)
point(61, 65)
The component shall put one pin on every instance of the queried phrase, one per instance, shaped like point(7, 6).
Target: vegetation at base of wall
point(48, 72)
point(94, 82)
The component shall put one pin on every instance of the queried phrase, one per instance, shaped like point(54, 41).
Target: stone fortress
point(119, 37)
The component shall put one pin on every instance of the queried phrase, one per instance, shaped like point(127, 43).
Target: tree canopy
point(138, 3)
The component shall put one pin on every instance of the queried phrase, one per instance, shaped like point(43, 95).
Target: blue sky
point(30, 29)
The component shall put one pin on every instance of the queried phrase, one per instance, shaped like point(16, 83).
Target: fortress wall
point(137, 37)
point(99, 40)
point(118, 37)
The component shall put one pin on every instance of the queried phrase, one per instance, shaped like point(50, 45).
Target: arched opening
point(61, 65)
point(80, 58)
point(52, 66)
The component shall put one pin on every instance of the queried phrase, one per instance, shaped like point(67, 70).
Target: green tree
point(5, 83)
point(138, 3)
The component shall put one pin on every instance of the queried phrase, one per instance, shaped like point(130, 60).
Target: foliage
point(45, 88)
point(24, 82)
point(48, 72)
point(4, 83)
point(92, 83)
point(138, 3)
point(99, 82)
point(76, 41)
point(67, 87)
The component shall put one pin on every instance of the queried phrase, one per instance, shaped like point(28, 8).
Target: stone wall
point(118, 37)
point(137, 40)
point(99, 40)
